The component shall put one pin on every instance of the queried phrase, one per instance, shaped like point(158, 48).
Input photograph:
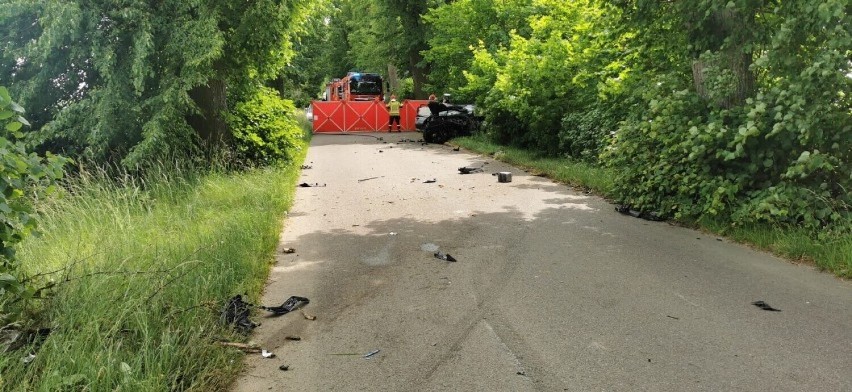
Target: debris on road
point(469, 170)
point(288, 250)
point(308, 316)
point(651, 216)
point(292, 303)
point(267, 354)
point(673, 317)
point(765, 306)
point(306, 167)
point(236, 312)
point(314, 185)
point(284, 368)
point(371, 353)
point(293, 338)
point(244, 347)
point(368, 179)
point(393, 233)
point(456, 149)
point(503, 176)
point(445, 256)
point(430, 181)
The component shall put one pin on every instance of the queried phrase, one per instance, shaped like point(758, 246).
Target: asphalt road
point(553, 290)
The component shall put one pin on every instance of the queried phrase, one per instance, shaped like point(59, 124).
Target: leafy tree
point(131, 81)
point(459, 28)
point(752, 122)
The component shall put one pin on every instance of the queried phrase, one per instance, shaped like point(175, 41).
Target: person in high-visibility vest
point(393, 110)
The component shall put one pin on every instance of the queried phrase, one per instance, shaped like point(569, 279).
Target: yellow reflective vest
point(393, 107)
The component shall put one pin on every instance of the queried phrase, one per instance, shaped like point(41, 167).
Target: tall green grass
point(143, 269)
point(830, 254)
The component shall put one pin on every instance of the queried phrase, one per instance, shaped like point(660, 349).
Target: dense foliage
point(264, 130)
point(734, 109)
point(135, 82)
point(24, 177)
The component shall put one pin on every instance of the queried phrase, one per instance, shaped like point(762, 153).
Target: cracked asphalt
point(553, 290)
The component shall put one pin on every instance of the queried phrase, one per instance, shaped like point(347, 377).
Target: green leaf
point(14, 126)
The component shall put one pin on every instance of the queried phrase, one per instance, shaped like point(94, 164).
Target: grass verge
point(834, 255)
point(142, 270)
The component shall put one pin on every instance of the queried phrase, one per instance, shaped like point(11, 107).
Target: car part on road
point(371, 353)
point(236, 312)
point(650, 216)
point(504, 176)
point(445, 257)
point(314, 185)
point(765, 306)
point(430, 181)
point(288, 306)
point(469, 170)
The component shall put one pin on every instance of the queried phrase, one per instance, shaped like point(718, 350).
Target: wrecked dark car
point(447, 121)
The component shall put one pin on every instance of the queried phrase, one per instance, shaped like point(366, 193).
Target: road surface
point(553, 290)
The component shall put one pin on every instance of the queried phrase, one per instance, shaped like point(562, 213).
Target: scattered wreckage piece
point(236, 311)
point(650, 216)
point(314, 185)
point(292, 303)
point(445, 256)
point(470, 170)
point(765, 306)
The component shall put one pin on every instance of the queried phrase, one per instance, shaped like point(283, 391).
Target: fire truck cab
point(355, 86)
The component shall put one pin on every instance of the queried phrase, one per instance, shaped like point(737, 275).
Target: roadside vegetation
point(141, 268)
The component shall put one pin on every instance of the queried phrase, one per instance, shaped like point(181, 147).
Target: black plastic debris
point(469, 170)
point(284, 368)
point(288, 306)
point(651, 216)
point(445, 256)
point(430, 181)
point(236, 313)
point(314, 185)
point(368, 179)
point(765, 306)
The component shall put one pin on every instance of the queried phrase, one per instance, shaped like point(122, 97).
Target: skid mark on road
point(486, 310)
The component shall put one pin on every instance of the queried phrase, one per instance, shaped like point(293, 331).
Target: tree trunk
point(393, 80)
point(212, 103)
point(418, 74)
point(730, 57)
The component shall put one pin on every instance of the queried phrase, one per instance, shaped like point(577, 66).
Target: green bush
point(780, 154)
point(584, 133)
point(265, 129)
point(23, 177)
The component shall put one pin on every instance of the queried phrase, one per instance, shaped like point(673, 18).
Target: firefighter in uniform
point(393, 110)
